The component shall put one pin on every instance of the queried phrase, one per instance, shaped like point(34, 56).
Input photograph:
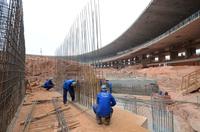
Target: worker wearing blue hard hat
point(103, 109)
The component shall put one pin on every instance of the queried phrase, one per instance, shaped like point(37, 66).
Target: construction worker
point(103, 108)
point(109, 85)
point(68, 86)
point(48, 84)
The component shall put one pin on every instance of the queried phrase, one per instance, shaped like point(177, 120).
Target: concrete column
point(143, 60)
point(115, 64)
point(161, 57)
point(144, 56)
point(173, 55)
point(151, 58)
point(137, 59)
point(190, 52)
point(148, 60)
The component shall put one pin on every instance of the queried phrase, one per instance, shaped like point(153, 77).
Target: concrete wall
point(136, 86)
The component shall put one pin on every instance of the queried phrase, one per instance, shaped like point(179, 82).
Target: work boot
point(107, 120)
point(99, 121)
point(66, 104)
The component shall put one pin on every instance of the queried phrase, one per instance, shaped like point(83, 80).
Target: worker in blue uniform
point(109, 84)
point(48, 84)
point(68, 86)
point(103, 108)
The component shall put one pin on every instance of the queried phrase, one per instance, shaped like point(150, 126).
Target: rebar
point(159, 118)
point(12, 58)
point(29, 117)
point(60, 116)
point(83, 38)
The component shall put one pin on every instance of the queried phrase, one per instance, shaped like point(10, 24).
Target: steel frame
point(12, 60)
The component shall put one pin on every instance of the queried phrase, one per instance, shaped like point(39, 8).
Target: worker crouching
point(103, 108)
point(48, 84)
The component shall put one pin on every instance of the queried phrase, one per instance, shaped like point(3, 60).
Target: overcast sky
point(48, 21)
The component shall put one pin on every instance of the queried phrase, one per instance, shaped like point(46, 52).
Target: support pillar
point(137, 59)
point(190, 52)
point(161, 57)
point(173, 55)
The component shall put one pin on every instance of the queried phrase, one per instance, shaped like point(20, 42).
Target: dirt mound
point(39, 67)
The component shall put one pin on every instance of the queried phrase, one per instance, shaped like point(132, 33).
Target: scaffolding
point(12, 58)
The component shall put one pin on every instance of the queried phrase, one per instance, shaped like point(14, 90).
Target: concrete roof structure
point(188, 33)
point(157, 18)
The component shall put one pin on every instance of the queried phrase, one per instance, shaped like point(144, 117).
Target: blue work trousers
point(72, 94)
point(95, 111)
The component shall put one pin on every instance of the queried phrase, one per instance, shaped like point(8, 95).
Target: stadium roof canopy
point(157, 18)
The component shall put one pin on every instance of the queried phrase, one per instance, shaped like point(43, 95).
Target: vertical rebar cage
point(12, 60)
point(73, 56)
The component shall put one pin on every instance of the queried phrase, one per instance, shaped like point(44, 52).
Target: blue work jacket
point(68, 84)
point(48, 84)
point(104, 103)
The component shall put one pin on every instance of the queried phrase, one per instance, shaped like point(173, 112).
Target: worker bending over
point(103, 108)
point(48, 84)
point(68, 86)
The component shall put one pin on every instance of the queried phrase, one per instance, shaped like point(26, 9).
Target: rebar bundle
point(83, 37)
point(12, 58)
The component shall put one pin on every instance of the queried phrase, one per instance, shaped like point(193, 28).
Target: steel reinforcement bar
point(29, 117)
point(83, 37)
point(12, 59)
point(60, 116)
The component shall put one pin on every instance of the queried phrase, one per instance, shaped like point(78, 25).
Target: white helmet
point(103, 87)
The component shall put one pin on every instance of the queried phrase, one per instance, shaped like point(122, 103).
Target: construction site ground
point(77, 119)
point(169, 78)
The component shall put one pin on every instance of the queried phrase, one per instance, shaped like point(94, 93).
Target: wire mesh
point(160, 119)
point(12, 58)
